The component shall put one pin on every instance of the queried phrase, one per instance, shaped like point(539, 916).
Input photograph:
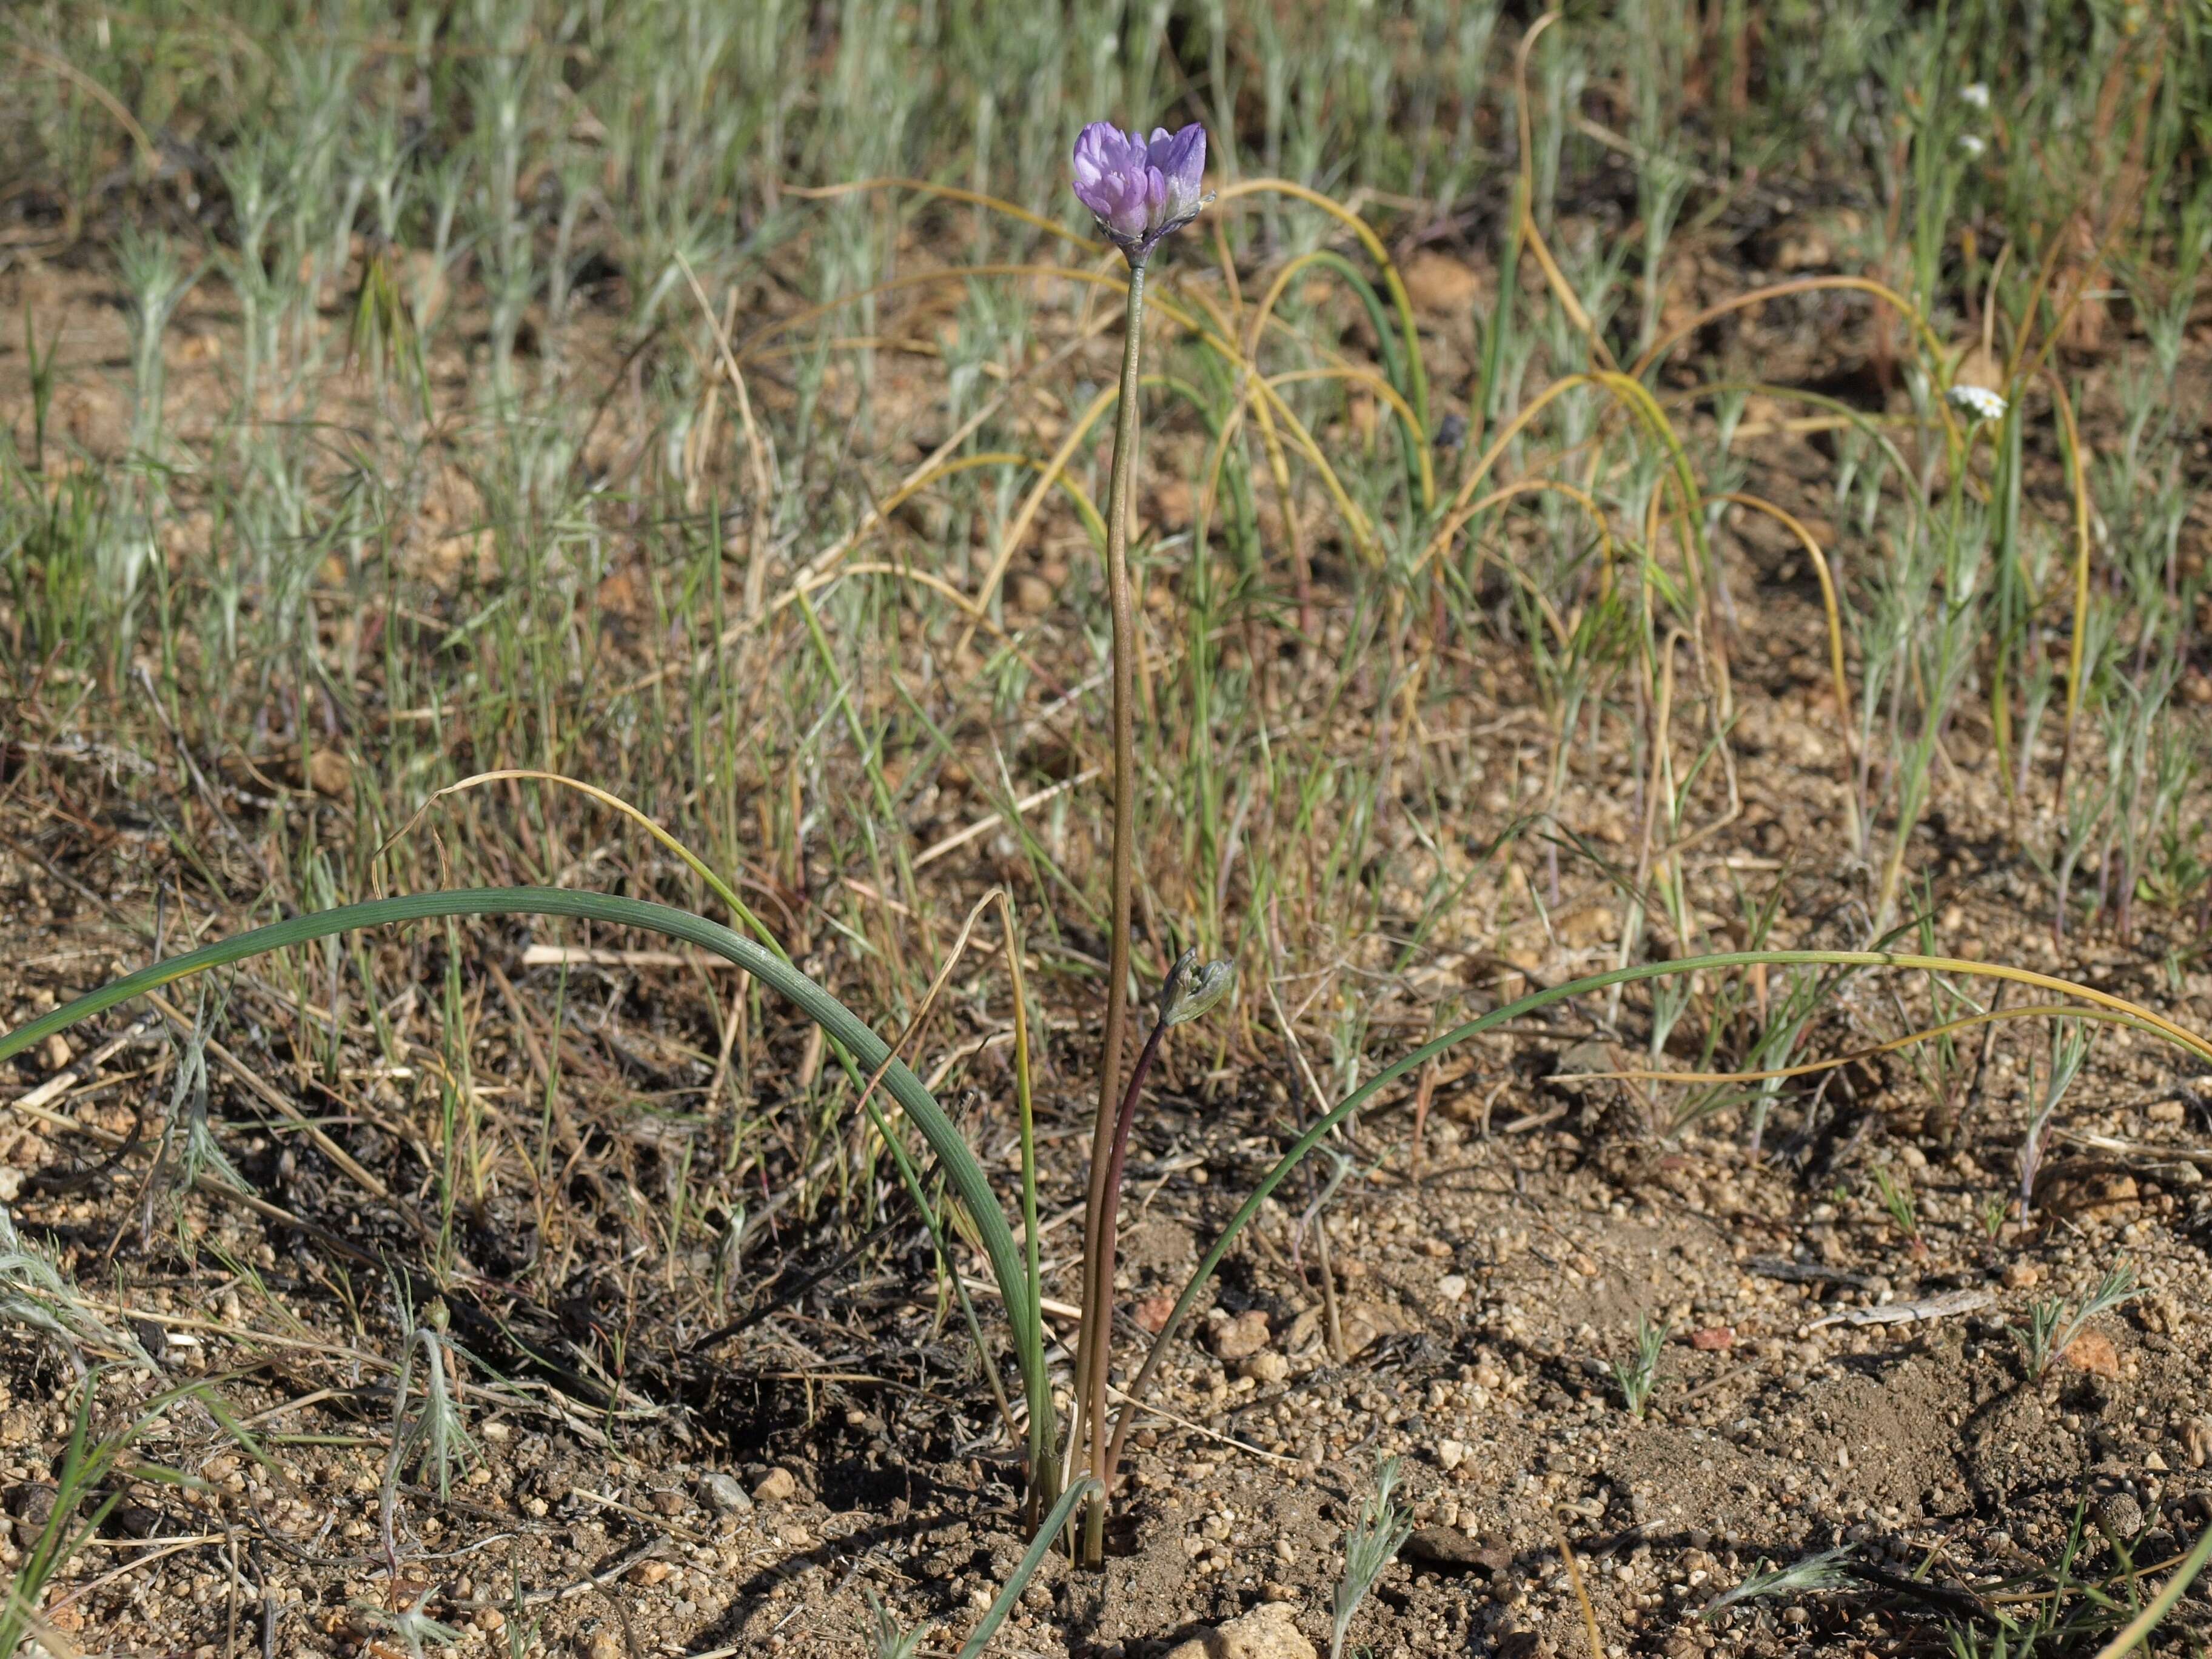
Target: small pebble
point(722, 1494)
point(2119, 1517)
point(1267, 1367)
point(1242, 1337)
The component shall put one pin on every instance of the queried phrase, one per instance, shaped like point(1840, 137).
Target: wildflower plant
point(1140, 191)
point(295, 206)
point(1979, 402)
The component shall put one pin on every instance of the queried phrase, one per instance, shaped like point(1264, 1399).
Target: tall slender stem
point(1094, 1338)
point(1110, 1198)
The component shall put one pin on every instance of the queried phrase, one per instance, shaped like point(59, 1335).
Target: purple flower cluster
point(1140, 189)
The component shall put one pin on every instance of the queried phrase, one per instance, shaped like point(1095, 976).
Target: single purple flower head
point(1140, 189)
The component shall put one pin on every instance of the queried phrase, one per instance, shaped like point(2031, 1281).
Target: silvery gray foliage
point(33, 1293)
point(1829, 1570)
point(1372, 1544)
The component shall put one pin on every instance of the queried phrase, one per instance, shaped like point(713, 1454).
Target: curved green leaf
point(838, 1022)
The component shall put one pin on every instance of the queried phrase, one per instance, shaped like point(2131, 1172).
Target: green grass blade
point(838, 1022)
point(2161, 1604)
point(1025, 1569)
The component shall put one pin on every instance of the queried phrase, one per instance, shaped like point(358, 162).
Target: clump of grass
point(2053, 1323)
point(2069, 1051)
point(418, 1632)
point(91, 1469)
point(1994, 1211)
point(1896, 1198)
point(1376, 1535)
point(1827, 1569)
point(882, 1631)
point(35, 1293)
point(1639, 1374)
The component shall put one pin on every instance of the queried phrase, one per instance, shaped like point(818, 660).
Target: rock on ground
point(1268, 1632)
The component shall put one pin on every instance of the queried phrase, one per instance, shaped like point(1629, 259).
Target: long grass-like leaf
point(2161, 1604)
point(1025, 1569)
point(838, 1022)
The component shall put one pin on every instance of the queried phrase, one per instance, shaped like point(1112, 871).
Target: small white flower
point(1978, 401)
point(1975, 94)
point(1972, 145)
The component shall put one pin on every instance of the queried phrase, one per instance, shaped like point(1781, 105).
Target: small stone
point(646, 1574)
point(669, 1503)
point(722, 1494)
point(490, 1620)
point(1579, 930)
point(31, 1500)
point(2119, 1517)
point(136, 1520)
point(1242, 1337)
point(55, 1051)
point(1270, 1630)
point(1451, 1453)
point(601, 1644)
point(2155, 1463)
point(776, 1486)
point(1267, 1367)
point(329, 772)
point(1364, 1323)
point(1443, 1546)
point(2021, 1275)
point(2092, 1352)
point(1713, 1339)
point(1153, 1311)
point(1451, 1287)
point(2159, 1313)
point(1436, 281)
point(2196, 1440)
point(2088, 1195)
point(32, 1505)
